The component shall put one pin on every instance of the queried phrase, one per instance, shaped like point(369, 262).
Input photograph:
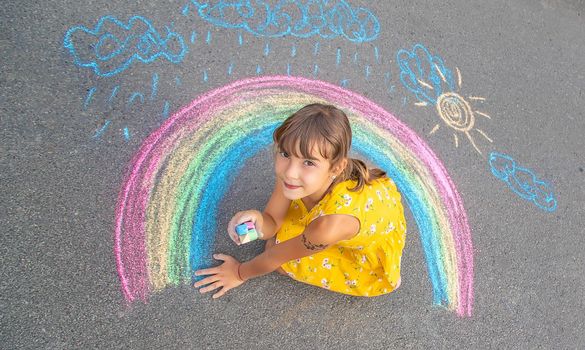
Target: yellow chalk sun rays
point(456, 112)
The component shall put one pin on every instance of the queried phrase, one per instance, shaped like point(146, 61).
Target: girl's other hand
point(225, 275)
point(242, 216)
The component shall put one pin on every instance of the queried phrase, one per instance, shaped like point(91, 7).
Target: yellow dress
point(367, 264)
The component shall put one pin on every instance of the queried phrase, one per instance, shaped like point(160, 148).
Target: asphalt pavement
point(84, 84)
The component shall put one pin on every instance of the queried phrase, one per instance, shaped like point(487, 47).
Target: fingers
point(207, 280)
point(236, 220)
point(221, 257)
point(247, 217)
point(210, 271)
point(210, 287)
point(231, 231)
point(213, 270)
point(233, 235)
point(220, 293)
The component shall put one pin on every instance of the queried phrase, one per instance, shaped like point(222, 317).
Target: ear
point(340, 167)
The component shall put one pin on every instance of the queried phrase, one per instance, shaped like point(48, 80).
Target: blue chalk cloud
point(418, 66)
point(522, 181)
point(112, 46)
point(327, 19)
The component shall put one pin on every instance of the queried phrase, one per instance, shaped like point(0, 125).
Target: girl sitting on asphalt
point(331, 222)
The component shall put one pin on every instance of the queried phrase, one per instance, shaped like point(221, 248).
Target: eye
point(284, 154)
point(309, 163)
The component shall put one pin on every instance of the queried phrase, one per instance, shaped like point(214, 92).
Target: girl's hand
point(224, 275)
point(242, 216)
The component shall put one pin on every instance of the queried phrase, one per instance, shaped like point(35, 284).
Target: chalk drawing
point(88, 97)
point(114, 45)
point(323, 18)
point(126, 134)
point(166, 108)
point(134, 96)
point(113, 94)
point(522, 181)
point(387, 82)
point(387, 77)
point(167, 210)
point(432, 83)
point(103, 129)
point(154, 86)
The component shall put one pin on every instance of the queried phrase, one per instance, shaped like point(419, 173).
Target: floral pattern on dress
point(389, 228)
point(369, 204)
point(364, 259)
point(367, 264)
point(347, 198)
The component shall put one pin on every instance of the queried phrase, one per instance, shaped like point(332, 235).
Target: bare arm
point(269, 226)
point(275, 211)
point(320, 234)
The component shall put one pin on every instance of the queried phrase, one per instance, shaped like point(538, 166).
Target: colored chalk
point(241, 229)
point(247, 232)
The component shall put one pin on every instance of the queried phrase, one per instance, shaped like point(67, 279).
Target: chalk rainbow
point(167, 208)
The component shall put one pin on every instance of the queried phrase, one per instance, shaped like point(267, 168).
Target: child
point(330, 221)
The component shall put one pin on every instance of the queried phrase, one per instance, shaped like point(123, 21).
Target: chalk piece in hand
point(247, 232)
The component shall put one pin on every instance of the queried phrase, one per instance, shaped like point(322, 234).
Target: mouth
point(291, 187)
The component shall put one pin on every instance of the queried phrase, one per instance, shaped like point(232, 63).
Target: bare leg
point(269, 243)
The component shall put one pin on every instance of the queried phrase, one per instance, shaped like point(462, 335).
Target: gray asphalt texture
point(58, 283)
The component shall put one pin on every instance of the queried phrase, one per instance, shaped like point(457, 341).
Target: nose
point(291, 171)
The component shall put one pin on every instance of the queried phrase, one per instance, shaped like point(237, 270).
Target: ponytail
point(358, 171)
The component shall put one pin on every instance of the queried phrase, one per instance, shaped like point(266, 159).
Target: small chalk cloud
point(112, 46)
point(423, 74)
point(522, 181)
point(327, 19)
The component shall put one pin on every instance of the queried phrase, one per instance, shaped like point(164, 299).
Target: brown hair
point(326, 127)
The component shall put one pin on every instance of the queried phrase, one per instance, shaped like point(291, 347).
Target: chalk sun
point(457, 113)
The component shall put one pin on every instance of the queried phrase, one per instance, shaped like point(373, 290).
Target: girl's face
point(303, 177)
